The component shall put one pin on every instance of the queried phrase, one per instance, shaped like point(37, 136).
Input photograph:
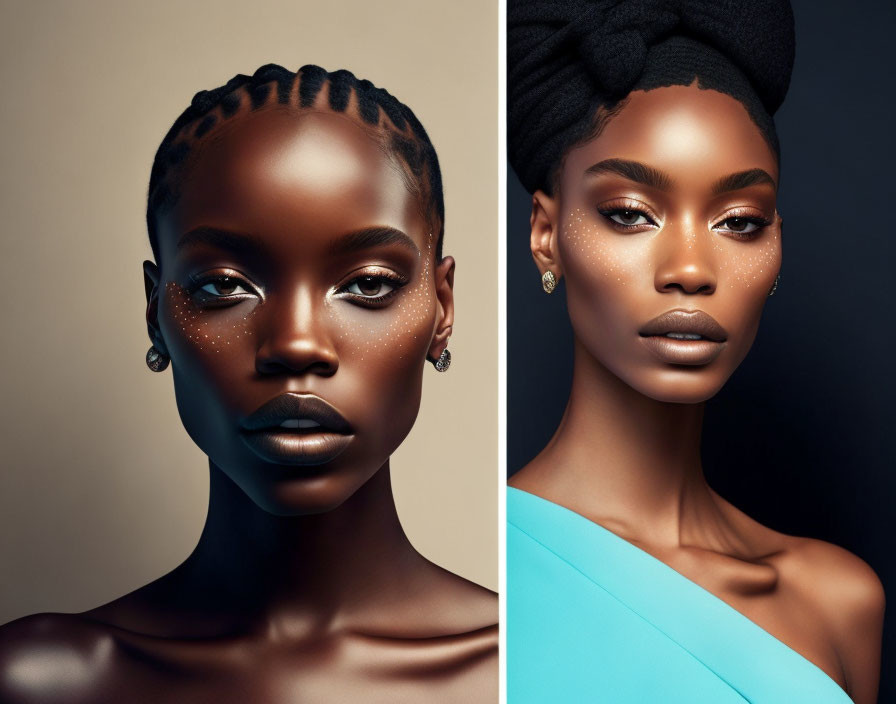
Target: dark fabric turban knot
point(566, 58)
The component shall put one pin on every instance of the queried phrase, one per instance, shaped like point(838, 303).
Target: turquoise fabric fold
point(593, 618)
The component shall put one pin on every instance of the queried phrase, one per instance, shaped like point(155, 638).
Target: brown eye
point(369, 286)
point(737, 224)
point(372, 290)
point(225, 286)
point(626, 217)
point(741, 225)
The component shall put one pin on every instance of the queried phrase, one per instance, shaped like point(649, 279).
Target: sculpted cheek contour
point(618, 279)
point(195, 327)
point(408, 331)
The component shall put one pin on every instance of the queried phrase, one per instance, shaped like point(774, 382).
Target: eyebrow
point(742, 179)
point(371, 237)
point(633, 171)
point(649, 176)
point(223, 239)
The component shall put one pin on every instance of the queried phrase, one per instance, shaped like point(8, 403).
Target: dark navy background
point(803, 436)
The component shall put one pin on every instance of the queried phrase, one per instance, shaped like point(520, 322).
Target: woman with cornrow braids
point(298, 289)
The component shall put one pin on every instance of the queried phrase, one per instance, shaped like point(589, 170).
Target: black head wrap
point(568, 58)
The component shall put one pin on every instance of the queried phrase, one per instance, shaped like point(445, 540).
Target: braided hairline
point(402, 135)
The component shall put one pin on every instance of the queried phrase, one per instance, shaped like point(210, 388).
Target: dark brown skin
point(626, 454)
point(303, 587)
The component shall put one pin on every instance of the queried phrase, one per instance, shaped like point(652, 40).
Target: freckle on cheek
point(411, 310)
point(195, 326)
point(755, 263)
point(584, 237)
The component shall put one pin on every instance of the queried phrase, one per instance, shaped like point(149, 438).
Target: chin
point(689, 385)
point(305, 496)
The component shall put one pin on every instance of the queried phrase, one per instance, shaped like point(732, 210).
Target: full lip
point(315, 432)
point(688, 337)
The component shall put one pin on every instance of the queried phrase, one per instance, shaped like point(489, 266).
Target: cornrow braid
point(404, 136)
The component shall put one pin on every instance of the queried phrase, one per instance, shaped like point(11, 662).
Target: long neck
point(623, 456)
point(316, 566)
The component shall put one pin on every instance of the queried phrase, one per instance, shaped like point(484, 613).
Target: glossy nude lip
point(688, 337)
point(296, 429)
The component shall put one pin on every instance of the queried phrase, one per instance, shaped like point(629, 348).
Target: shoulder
point(843, 586)
point(435, 604)
point(838, 591)
point(461, 636)
point(849, 599)
point(465, 607)
point(52, 658)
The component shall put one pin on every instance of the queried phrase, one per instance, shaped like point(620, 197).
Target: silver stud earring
point(443, 362)
point(774, 286)
point(548, 281)
point(157, 361)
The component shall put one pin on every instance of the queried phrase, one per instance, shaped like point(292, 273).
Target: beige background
point(101, 490)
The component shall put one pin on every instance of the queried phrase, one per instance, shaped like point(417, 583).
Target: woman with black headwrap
point(644, 131)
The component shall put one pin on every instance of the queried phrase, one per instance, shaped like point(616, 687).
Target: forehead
point(289, 172)
point(692, 134)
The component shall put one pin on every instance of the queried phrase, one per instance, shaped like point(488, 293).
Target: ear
point(151, 278)
point(444, 278)
point(544, 232)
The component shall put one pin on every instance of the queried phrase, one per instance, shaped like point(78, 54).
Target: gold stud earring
point(548, 281)
point(774, 286)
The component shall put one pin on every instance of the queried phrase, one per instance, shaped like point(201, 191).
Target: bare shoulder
point(462, 624)
point(837, 590)
point(436, 608)
point(463, 607)
point(846, 590)
point(481, 602)
point(849, 599)
point(843, 587)
point(52, 658)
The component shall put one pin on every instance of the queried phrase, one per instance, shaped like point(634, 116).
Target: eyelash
point(626, 207)
point(609, 212)
point(758, 221)
point(212, 299)
point(395, 281)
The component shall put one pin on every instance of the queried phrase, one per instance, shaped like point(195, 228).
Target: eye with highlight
point(742, 226)
point(372, 289)
point(221, 288)
point(627, 218)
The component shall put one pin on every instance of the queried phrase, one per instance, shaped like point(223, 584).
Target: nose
point(296, 338)
point(685, 261)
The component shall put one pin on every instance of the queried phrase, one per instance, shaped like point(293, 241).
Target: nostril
point(294, 366)
point(297, 356)
point(689, 285)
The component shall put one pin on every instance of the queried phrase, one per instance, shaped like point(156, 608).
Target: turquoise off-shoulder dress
point(592, 618)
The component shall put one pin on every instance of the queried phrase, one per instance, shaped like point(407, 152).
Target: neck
point(314, 566)
point(621, 457)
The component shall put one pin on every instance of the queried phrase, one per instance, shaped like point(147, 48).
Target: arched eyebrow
point(650, 176)
point(371, 237)
point(633, 171)
point(743, 179)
